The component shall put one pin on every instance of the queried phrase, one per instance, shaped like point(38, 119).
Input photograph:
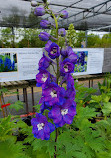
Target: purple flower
point(51, 94)
point(42, 78)
point(82, 58)
point(63, 114)
point(39, 11)
point(62, 32)
point(45, 24)
point(44, 62)
point(64, 14)
point(33, 3)
point(52, 49)
point(13, 65)
point(70, 82)
point(1, 61)
point(67, 52)
point(66, 66)
point(45, 105)
point(44, 36)
point(41, 127)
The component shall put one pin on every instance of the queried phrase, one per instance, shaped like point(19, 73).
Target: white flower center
point(66, 68)
point(54, 50)
point(53, 94)
point(44, 78)
point(64, 111)
point(40, 126)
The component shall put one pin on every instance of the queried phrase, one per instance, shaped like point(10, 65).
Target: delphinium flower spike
point(55, 98)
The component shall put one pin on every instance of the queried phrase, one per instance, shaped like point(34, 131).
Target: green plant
point(9, 146)
point(71, 35)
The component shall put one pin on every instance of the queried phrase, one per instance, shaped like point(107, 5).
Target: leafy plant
point(17, 105)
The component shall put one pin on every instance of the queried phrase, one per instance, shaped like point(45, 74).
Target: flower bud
point(44, 36)
point(33, 3)
point(45, 24)
point(64, 14)
point(39, 11)
point(62, 32)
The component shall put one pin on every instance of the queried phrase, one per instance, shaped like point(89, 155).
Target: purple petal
point(51, 126)
point(68, 119)
point(57, 120)
point(72, 111)
point(46, 128)
point(47, 136)
point(55, 112)
point(41, 134)
point(62, 123)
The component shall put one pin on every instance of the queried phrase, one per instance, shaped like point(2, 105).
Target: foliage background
point(28, 37)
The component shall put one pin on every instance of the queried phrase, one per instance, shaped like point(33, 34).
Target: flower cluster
point(55, 98)
point(7, 64)
point(1, 61)
point(82, 59)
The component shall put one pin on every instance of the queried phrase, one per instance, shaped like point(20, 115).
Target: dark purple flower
point(62, 32)
point(66, 66)
point(45, 24)
point(44, 62)
point(52, 49)
point(13, 65)
point(81, 59)
point(67, 52)
point(33, 3)
point(51, 94)
point(39, 11)
point(70, 82)
point(63, 114)
point(41, 127)
point(64, 14)
point(1, 61)
point(44, 36)
point(45, 105)
point(42, 78)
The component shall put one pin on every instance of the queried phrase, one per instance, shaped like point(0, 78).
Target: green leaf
point(106, 109)
point(17, 106)
point(11, 149)
point(96, 98)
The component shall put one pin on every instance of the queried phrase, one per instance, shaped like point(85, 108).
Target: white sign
point(90, 61)
point(19, 63)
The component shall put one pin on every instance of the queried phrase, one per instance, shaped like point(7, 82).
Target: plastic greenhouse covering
point(84, 14)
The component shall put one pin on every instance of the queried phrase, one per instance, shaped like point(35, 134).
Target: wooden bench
point(32, 83)
point(17, 85)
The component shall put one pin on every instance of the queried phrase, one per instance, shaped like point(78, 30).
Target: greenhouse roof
point(84, 14)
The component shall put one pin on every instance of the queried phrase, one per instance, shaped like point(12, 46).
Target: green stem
point(57, 76)
point(54, 69)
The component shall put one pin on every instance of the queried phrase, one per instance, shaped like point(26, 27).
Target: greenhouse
point(55, 79)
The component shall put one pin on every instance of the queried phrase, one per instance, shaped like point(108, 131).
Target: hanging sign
point(19, 63)
point(90, 61)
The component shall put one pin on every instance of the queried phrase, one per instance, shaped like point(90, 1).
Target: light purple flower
point(62, 32)
point(44, 36)
point(45, 24)
point(64, 14)
point(63, 114)
point(66, 66)
point(39, 11)
point(41, 127)
point(44, 62)
point(52, 49)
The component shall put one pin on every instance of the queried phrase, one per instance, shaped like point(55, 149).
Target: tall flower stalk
point(55, 98)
